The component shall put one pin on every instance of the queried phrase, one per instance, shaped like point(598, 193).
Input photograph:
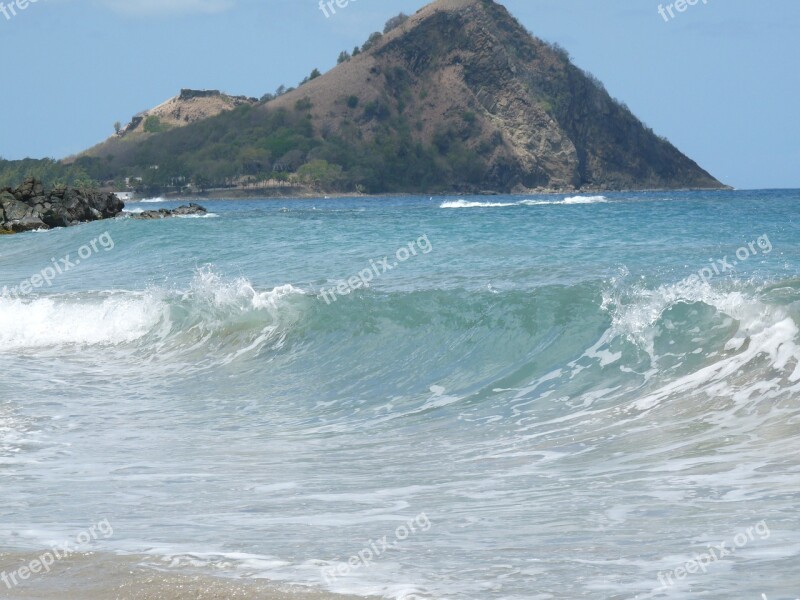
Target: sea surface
point(538, 397)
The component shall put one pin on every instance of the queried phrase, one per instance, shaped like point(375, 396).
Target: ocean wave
point(584, 199)
point(700, 337)
point(642, 343)
point(468, 204)
point(158, 319)
point(58, 321)
point(152, 200)
point(571, 200)
point(212, 289)
point(138, 211)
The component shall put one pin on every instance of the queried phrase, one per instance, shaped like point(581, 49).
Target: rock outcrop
point(30, 207)
point(164, 213)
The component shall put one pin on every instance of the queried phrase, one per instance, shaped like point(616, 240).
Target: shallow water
point(536, 399)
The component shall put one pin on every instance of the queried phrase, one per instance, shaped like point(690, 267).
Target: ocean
point(507, 397)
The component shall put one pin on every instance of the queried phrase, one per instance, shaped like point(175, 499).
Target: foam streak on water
point(461, 203)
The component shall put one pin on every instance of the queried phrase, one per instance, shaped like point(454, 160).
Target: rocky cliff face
point(30, 207)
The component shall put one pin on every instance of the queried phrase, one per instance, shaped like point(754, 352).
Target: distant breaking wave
point(571, 200)
point(583, 200)
point(138, 211)
point(467, 204)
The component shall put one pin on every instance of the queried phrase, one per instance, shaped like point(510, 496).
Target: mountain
point(458, 97)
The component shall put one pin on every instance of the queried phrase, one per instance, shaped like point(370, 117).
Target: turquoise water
point(537, 386)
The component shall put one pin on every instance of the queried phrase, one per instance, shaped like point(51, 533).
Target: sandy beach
point(93, 576)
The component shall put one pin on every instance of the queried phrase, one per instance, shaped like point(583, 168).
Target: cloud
point(149, 8)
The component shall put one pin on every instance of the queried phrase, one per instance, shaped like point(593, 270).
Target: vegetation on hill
point(50, 172)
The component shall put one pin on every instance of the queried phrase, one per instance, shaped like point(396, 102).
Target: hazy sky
point(720, 80)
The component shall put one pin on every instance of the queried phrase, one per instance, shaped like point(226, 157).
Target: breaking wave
point(212, 313)
point(571, 200)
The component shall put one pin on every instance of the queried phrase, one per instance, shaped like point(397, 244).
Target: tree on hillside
point(371, 41)
point(320, 174)
point(117, 127)
point(314, 74)
point(344, 56)
point(395, 22)
point(84, 183)
point(201, 181)
point(153, 124)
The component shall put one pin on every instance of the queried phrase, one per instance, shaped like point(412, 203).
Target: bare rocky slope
point(186, 108)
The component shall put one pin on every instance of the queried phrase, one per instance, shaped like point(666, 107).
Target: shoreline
point(102, 576)
point(261, 195)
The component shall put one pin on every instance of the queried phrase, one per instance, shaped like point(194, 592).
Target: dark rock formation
point(163, 213)
point(31, 207)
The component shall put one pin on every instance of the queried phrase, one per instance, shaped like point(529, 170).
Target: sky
point(720, 80)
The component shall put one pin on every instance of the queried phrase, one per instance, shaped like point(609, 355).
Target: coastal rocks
point(192, 210)
point(30, 207)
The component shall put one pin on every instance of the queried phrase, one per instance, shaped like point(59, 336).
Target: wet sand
point(95, 577)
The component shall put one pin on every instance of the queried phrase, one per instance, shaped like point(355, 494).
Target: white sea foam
point(584, 199)
point(468, 204)
point(375, 581)
point(635, 316)
point(211, 287)
point(461, 203)
point(56, 321)
point(153, 200)
point(571, 200)
point(773, 338)
point(762, 332)
point(125, 317)
point(138, 211)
